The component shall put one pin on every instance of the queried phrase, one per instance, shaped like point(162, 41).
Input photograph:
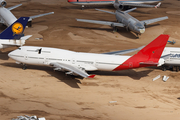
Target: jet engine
point(119, 6)
point(3, 3)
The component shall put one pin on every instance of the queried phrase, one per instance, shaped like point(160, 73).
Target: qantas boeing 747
point(77, 63)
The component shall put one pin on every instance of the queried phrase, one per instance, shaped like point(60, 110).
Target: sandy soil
point(43, 92)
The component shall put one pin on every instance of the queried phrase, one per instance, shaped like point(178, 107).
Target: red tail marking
point(91, 76)
point(150, 53)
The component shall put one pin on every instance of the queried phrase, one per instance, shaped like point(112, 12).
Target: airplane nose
point(142, 30)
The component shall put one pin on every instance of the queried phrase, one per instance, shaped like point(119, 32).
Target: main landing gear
point(137, 35)
point(24, 67)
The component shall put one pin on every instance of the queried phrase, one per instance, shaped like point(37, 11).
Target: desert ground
point(123, 95)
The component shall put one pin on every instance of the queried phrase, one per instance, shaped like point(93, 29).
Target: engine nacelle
point(118, 6)
point(3, 3)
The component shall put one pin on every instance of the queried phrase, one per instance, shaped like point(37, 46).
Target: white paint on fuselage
point(88, 61)
point(174, 58)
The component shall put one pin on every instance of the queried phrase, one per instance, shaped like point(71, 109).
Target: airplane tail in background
point(15, 31)
point(148, 56)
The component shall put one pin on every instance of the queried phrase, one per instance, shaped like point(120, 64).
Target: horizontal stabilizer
point(150, 21)
point(40, 15)
point(15, 42)
point(130, 10)
point(13, 7)
point(106, 11)
point(149, 63)
point(113, 24)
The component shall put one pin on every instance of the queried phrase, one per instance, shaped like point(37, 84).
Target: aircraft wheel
point(24, 67)
point(164, 68)
point(174, 68)
point(177, 68)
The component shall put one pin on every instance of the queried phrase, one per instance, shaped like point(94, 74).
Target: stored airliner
point(173, 60)
point(77, 63)
point(121, 5)
point(7, 18)
point(126, 20)
point(13, 35)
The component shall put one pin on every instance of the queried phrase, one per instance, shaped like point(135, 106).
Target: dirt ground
point(123, 95)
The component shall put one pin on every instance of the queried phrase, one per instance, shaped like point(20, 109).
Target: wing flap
point(71, 69)
point(102, 22)
point(150, 21)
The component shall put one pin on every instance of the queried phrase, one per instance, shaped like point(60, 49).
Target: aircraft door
point(46, 60)
point(25, 57)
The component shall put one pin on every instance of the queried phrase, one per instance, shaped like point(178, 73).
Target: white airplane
point(7, 18)
point(13, 35)
point(173, 58)
point(77, 63)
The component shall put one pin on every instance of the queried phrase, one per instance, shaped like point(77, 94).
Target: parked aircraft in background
point(7, 18)
point(121, 3)
point(173, 60)
point(13, 35)
point(77, 63)
point(126, 20)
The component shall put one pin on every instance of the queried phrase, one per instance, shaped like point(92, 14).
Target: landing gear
point(115, 29)
point(24, 67)
point(176, 68)
point(137, 35)
point(82, 8)
point(164, 68)
point(29, 24)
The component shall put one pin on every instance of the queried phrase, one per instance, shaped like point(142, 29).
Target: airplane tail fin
point(148, 56)
point(15, 31)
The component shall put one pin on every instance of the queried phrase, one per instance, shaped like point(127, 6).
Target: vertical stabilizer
point(148, 56)
point(15, 31)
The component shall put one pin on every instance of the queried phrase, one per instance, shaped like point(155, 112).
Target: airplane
point(120, 5)
point(173, 60)
point(13, 35)
point(7, 18)
point(77, 63)
point(126, 20)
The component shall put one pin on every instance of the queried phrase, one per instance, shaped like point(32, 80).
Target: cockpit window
point(139, 25)
point(19, 48)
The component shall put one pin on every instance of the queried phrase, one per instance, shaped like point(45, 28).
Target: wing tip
point(91, 76)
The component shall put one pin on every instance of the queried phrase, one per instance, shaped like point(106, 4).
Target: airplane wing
point(113, 24)
point(106, 11)
point(72, 69)
point(124, 51)
point(13, 7)
point(147, 22)
point(139, 5)
point(40, 15)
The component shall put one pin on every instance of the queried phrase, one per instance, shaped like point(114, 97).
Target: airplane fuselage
point(88, 61)
point(108, 2)
point(130, 22)
point(174, 59)
point(6, 16)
